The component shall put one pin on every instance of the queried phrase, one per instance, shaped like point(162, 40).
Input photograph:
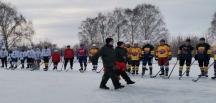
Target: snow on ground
point(23, 86)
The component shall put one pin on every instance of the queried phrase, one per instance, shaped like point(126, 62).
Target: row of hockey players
point(33, 57)
point(162, 54)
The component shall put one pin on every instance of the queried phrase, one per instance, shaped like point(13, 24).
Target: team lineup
point(120, 61)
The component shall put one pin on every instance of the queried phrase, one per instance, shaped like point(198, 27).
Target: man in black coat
point(121, 60)
point(108, 56)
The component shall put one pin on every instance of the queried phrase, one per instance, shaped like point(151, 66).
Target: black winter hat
point(108, 40)
point(119, 43)
point(188, 40)
point(202, 39)
point(162, 40)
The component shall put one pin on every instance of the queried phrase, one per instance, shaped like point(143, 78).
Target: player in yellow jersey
point(135, 54)
point(163, 56)
point(128, 65)
point(92, 51)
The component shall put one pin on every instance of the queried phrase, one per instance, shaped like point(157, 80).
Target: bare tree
point(143, 22)
point(211, 35)
point(152, 26)
point(14, 28)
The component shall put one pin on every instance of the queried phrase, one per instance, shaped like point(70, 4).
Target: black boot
point(162, 72)
point(143, 71)
point(104, 87)
point(180, 73)
point(131, 82)
point(119, 87)
point(167, 72)
point(150, 72)
point(187, 74)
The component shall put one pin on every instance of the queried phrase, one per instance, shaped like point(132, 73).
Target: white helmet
point(94, 45)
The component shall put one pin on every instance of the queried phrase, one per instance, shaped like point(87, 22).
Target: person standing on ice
point(22, 58)
point(46, 54)
point(214, 56)
point(135, 54)
point(4, 55)
point(14, 58)
point(163, 55)
point(68, 57)
point(185, 54)
point(129, 65)
point(121, 60)
point(31, 58)
point(147, 57)
point(203, 54)
point(92, 51)
point(56, 58)
point(82, 57)
point(107, 53)
point(38, 58)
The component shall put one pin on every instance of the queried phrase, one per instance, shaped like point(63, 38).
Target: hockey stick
point(197, 79)
point(156, 74)
point(173, 69)
point(186, 70)
point(100, 70)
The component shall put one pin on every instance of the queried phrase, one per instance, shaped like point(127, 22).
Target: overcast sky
point(58, 20)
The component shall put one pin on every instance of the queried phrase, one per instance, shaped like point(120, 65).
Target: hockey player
point(147, 57)
point(22, 57)
point(30, 58)
point(163, 56)
point(185, 54)
point(121, 60)
point(68, 57)
point(46, 54)
point(203, 54)
point(56, 58)
point(14, 59)
point(135, 54)
point(214, 56)
point(37, 58)
point(92, 52)
point(108, 56)
point(4, 55)
point(128, 66)
point(82, 57)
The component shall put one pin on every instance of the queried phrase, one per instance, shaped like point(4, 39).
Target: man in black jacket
point(121, 59)
point(108, 56)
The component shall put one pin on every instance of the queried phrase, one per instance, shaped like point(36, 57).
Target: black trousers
point(93, 60)
point(68, 60)
point(182, 62)
point(46, 62)
point(124, 75)
point(4, 61)
point(203, 63)
point(83, 61)
point(107, 75)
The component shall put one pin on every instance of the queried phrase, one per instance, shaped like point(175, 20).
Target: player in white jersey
point(3, 56)
point(14, 59)
point(46, 54)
